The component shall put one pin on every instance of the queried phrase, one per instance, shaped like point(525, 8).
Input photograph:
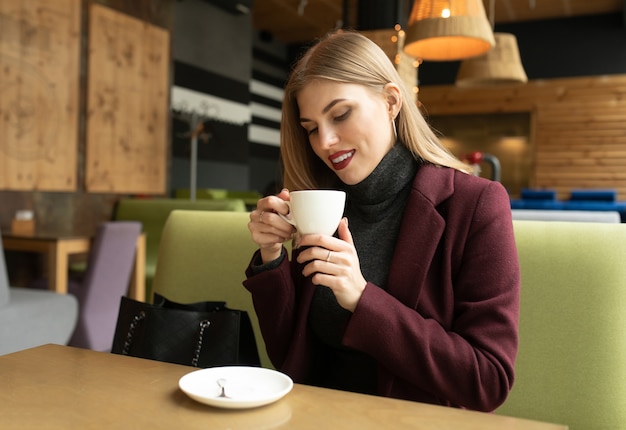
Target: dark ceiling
point(299, 21)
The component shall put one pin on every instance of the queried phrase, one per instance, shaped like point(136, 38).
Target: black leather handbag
point(203, 334)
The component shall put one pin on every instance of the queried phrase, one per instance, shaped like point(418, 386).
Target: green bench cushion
point(153, 213)
point(571, 366)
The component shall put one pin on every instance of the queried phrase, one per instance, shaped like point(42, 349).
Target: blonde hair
point(349, 57)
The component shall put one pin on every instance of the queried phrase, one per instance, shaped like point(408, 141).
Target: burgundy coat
point(445, 330)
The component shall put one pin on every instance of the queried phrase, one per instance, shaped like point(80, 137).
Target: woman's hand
point(334, 263)
point(269, 230)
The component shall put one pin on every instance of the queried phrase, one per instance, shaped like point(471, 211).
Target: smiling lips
point(341, 159)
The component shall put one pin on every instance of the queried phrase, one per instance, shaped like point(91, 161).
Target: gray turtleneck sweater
point(374, 209)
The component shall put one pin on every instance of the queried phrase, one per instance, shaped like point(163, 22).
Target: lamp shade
point(500, 66)
point(448, 30)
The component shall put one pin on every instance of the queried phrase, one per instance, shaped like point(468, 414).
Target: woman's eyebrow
point(326, 108)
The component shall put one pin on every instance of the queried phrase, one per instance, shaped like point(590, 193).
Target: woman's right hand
point(269, 230)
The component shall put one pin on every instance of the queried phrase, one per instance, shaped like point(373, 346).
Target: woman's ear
point(393, 96)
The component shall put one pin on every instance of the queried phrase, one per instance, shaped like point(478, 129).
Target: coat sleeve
point(274, 297)
point(465, 355)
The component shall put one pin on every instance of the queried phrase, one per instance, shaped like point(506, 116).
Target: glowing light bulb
point(445, 13)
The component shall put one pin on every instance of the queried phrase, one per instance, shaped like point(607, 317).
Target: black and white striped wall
point(269, 73)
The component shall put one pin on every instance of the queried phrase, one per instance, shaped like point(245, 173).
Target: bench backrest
point(153, 213)
point(571, 365)
point(203, 256)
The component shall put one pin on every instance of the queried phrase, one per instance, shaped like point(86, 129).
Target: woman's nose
point(328, 137)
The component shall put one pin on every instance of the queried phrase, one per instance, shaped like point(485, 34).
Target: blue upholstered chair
point(30, 317)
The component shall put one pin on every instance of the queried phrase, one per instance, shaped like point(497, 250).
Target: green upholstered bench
point(203, 256)
point(154, 212)
point(571, 365)
point(250, 197)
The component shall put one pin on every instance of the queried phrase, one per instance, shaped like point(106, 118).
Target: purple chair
point(106, 280)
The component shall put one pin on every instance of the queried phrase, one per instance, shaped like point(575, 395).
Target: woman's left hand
point(334, 263)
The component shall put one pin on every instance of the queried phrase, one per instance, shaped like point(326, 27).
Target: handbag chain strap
point(142, 315)
point(131, 331)
point(196, 355)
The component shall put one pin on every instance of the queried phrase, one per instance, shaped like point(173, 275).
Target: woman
point(419, 298)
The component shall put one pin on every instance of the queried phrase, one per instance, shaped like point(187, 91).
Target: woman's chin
point(350, 179)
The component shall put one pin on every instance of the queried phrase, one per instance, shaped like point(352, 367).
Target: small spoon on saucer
point(222, 384)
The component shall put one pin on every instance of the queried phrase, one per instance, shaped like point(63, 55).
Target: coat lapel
point(420, 233)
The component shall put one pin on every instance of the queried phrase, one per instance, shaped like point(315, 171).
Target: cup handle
point(289, 220)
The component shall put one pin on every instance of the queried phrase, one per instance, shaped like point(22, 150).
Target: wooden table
point(61, 387)
point(59, 247)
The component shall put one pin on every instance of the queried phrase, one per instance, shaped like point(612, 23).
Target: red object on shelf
point(475, 157)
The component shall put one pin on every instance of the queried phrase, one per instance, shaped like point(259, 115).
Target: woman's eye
point(343, 116)
point(311, 131)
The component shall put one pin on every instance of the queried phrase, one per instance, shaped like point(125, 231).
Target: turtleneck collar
point(394, 172)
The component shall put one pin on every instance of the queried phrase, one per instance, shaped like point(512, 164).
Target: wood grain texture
point(127, 104)
point(578, 126)
point(78, 388)
point(39, 87)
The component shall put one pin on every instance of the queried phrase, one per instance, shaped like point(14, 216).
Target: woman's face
point(349, 125)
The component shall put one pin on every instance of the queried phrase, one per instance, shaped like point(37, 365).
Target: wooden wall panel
point(127, 104)
point(579, 126)
point(39, 87)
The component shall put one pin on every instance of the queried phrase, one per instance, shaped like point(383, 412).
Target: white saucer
point(246, 387)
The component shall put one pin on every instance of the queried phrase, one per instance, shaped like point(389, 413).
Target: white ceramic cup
point(316, 211)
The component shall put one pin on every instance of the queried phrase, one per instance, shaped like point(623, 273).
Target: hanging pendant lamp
point(448, 30)
point(500, 66)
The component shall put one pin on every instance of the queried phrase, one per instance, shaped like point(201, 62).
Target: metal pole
point(193, 157)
